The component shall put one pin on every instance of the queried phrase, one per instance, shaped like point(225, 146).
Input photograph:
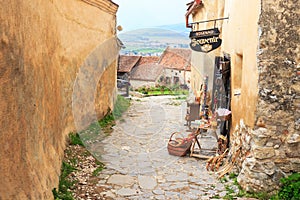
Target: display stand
point(197, 152)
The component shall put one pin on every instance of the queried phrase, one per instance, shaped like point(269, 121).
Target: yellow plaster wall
point(203, 63)
point(240, 39)
point(43, 44)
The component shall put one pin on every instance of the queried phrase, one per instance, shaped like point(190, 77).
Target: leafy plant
point(232, 175)
point(230, 193)
point(120, 107)
point(97, 171)
point(290, 188)
point(64, 183)
point(107, 120)
point(75, 139)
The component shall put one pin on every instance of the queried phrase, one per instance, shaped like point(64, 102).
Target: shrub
point(290, 189)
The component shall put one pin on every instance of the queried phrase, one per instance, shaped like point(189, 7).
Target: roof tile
point(147, 72)
point(126, 63)
point(176, 58)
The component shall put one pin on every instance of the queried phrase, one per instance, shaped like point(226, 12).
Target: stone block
point(292, 150)
point(263, 152)
point(263, 167)
point(293, 139)
point(122, 180)
point(147, 182)
point(260, 136)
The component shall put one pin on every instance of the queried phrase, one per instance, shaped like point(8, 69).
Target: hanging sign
point(205, 40)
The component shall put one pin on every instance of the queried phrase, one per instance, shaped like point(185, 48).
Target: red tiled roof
point(126, 63)
point(148, 60)
point(146, 72)
point(176, 58)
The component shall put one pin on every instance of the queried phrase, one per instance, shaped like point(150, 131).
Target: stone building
point(177, 66)
point(51, 61)
point(260, 47)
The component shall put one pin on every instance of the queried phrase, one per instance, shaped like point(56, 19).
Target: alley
point(137, 162)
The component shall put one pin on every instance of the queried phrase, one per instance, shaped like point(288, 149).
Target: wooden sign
point(205, 40)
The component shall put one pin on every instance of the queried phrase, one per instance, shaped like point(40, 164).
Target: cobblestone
point(138, 165)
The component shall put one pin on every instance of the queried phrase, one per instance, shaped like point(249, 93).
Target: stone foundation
point(265, 157)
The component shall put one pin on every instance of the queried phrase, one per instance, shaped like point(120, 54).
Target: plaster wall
point(135, 84)
point(203, 63)
point(184, 76)
point(43, 45)
point(240, 39)
point(275, 142)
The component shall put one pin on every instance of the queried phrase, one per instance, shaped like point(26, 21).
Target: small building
point(146, 75)
point(125, 66)
point(175, 63)
point(177, 66)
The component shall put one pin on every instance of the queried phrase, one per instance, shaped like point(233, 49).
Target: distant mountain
point(180, 28)
point(154, 40)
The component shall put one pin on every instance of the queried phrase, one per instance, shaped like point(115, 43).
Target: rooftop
point(148, 60)
point(176, 58)
point(147, 72)
point(126, 63)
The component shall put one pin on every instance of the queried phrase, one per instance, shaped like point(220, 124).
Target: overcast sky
point(134, 14)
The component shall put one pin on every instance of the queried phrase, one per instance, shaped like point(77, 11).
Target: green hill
point(155, 39)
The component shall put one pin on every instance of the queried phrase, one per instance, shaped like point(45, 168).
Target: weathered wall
point(135, 84)
point(42, 46)
point(240, 39)
point(275, 148)
point(184, 76)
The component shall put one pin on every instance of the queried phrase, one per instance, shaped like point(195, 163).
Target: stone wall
point(43, 44)
point(275, 144)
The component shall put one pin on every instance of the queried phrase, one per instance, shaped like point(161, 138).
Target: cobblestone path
point(138, 165)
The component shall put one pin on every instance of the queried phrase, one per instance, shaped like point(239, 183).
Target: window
point(176, 80)
point(237, 73)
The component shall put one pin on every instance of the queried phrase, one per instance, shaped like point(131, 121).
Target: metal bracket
point(211, 20)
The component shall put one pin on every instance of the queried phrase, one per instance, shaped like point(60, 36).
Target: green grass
point(97, 171)
point(158, 93)
point(64, 183)
point(120, 107)
point(62, 193)
point(75, 139)
point(104, 126)
point(290, 189)
point(232, 175)
point(181, 98)
point(162, 90)
point(144, 50)
point(108, 120)
point(230, 193)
